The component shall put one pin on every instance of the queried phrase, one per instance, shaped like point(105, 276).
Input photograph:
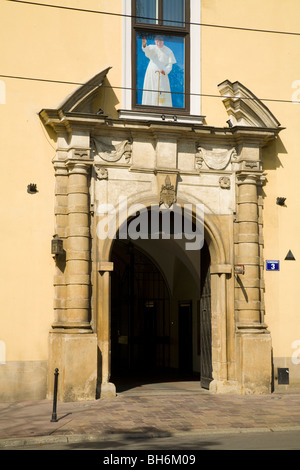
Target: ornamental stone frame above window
point(98, 160)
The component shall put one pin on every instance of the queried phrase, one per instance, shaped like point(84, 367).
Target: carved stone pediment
point(109, 152)
point(244, 108)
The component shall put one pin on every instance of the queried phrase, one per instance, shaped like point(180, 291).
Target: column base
point(106, 390)
point(255, 361)
point(75, 356)
point(224, 386)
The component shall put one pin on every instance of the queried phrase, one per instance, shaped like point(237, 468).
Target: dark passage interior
point(154, 336)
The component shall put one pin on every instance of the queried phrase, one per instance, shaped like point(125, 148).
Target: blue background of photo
point(176, 76)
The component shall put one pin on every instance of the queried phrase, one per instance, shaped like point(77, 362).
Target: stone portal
point(108, 171)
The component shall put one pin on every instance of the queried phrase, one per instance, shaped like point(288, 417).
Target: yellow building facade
point(77, 139)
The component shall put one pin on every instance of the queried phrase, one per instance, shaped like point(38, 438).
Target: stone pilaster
point(72, 343)
point(105, 389)
point(253, 338)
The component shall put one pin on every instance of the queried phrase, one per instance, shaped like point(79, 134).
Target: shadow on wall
point(270, 158)
point(106, 100)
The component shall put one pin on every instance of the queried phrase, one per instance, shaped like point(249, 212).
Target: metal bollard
point(54, 416)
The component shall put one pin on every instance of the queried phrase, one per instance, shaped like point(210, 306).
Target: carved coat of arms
point(167, 193)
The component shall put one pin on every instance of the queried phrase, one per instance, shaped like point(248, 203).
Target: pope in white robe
point(156, 77)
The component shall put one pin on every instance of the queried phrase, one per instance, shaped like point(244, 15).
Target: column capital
point(249, 177)
point(78, 167)
point(60, 168)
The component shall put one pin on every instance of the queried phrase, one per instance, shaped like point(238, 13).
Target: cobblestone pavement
point(149, 410)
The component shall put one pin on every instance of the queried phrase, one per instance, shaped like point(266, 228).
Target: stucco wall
point(72, 46)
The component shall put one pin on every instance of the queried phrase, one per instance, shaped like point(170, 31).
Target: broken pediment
point(244, 108)
point(80, 106)
point(82, 99)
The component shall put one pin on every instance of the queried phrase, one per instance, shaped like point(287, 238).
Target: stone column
point(248, 284)
point(61, 219)
point(73, 345)
point(254, 340)
point(78, 248)
point(105, 389)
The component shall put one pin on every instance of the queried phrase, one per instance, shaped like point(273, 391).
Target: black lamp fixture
point(32, 188)
point(280, 201)
point(57, 246)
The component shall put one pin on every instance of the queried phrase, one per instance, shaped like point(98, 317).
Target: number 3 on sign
point(272, 265)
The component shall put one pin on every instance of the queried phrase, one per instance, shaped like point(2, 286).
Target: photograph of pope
point(156, 89)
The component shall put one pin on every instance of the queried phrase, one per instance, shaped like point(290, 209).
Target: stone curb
point(80, 438)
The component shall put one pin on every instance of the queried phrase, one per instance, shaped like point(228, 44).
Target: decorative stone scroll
point(216, 159)
point(110, 152)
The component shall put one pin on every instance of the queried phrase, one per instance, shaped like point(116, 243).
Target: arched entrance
point(181, 270)
point(160, 313)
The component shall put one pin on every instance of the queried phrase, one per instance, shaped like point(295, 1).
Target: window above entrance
point(160, 40)
point(161, 60)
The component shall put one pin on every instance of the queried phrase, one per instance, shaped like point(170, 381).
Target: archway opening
point(160, 313)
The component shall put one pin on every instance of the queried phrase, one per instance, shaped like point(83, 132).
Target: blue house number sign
point(272, 265)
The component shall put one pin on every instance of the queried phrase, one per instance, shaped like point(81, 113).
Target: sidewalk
point(153, 410)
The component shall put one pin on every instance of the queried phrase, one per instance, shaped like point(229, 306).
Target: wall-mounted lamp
point(280, 201)
point(57, 245)
point(175, 118)
point(163, 117)
point(239, 269)
point(31, 188)
point(229, 123)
